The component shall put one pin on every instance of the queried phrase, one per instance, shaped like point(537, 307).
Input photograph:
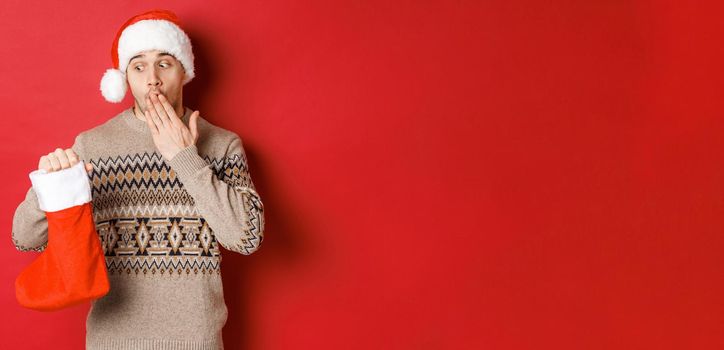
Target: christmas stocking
point(72, 268)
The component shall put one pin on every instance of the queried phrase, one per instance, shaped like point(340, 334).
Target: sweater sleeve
point(229, 202)
point(30, 226)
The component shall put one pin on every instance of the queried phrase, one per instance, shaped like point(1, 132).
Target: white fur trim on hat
point(113, 85)
point(154, 34)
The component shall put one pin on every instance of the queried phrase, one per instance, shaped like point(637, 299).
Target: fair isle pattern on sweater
point(137, 236)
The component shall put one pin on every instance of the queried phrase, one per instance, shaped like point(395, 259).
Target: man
point(168, 188)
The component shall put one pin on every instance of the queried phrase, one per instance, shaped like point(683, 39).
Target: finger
point(54, 163)
point(72, 157)
point(89, 167)
point(170, 112)
point(193, 125)
point(151, 122)
point(160, 111)
point(44, 164)
point(152, 113)
point(62, 158)
point(155, 118)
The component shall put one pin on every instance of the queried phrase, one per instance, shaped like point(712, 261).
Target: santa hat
point(152, 30)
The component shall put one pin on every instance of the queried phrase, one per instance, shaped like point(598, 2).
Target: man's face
point(155, 71)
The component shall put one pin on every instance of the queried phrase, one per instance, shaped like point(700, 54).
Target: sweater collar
point(140, 125)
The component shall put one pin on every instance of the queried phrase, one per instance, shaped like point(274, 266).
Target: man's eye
point(164, 63)
point(136, 67)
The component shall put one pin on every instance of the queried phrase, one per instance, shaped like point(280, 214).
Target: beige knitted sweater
point(160, 224)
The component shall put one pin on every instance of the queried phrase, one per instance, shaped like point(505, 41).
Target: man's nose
point(153, 79)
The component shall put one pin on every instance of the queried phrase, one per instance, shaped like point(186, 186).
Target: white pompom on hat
point(152, 30)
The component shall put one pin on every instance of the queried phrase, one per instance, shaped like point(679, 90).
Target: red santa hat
point(152, 30)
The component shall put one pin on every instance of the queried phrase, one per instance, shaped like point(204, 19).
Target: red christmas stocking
point(72, 268)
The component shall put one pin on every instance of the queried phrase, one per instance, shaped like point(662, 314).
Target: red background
point(436, 174)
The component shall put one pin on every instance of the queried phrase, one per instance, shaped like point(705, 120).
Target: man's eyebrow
point(142, 55)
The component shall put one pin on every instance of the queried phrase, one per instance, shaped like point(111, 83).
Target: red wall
point(436, 174)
